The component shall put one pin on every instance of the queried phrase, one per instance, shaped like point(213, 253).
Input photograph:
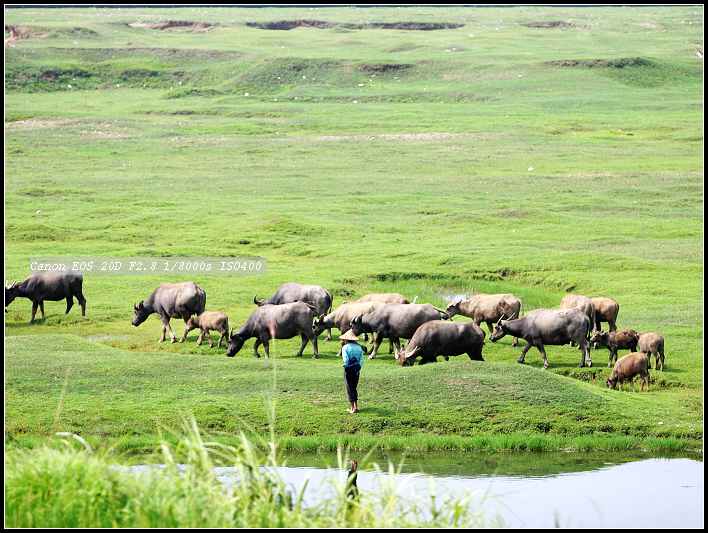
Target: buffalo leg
point(541, 349)
point(661, 354)
point(266, 347)
point(255, 348)
point(222, 337)
point(584, 353)
point(69, 304)
point(315, 348)
point(329, 334)
point(613, 355)
point(524, 351)
point(303, 343)
point(167, 326)
point(187, 330)
point(35, 306)
point(378, 338)
point(612, 325)
point(200, 339)
point(82, 302)
point(211, 341)
point(41, 309)
point(515, 342)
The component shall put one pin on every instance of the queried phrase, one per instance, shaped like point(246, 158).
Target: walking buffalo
point(206, 322)
point(314, 295)
point(488, 308)
point(440, 337)
point(395, 321)
point(48, 286)
point(615, 340)
point(283, 321)
point(554, 327)
point(171, 300)
point(606, 310)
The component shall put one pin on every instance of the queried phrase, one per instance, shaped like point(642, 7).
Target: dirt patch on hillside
point(404, 137)
point(322, 24)
point(37, 123)
point(186, 25)
point(39, 32)
point(622, 62)
point(549, 24)
point(382, 68)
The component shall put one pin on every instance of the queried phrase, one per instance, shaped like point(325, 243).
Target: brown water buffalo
point(206, 322)
point(555, 327)
point(384, 298)
point(606, 310)
point(171, 300)
point(441, 337)
point(283, 321)
point(652, 343)
point(488, 308)
point(314, 295)
point(626, 339)
point(628, 367)
point(395, 321)
point(48, 286)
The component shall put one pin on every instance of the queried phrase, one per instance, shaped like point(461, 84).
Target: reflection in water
point(642, 493)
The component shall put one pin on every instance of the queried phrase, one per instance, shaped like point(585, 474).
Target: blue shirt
point(352, 354)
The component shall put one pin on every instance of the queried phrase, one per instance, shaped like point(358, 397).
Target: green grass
point(483, 166)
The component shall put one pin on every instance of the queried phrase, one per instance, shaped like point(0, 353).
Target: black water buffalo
point(555, 327)
point(314, 295)
point(395, 321)
point(171, 300)
point(440, 337)
point(48, 286)
point(488, 308)
point(283, 321)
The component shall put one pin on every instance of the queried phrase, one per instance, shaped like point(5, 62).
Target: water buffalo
point(488, 308)
point(206, 322)
point(171, 300)
point(314, 295)
point(341, 317)
point(48, 286)
point(276, 322)
point(653, 344)
point(395, 321)
point(440, 337)
point(577, 301)
point(628, 367)
point(554, 327)
point(606, 310)
point(384, 298)
point(615, 340)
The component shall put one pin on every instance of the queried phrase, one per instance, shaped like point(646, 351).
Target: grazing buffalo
point(628, 367)
point(314, 295)
point(606, 310)
point(488, 308)
point(283, 321)
point(384, 298)
point(653, 344)
point(206, 322)
point(395, 321)
point(555, 327)
point(440, 337)
point(48, 286)
point(626, 339)
point(171, 300)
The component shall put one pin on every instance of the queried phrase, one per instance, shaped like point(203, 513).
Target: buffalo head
point(454, 308)
point(406, 359)
point(11, 292)
point(235, 344)
point(599, 338)
point(318, 325)
point(258, 301)
point(499, 329)
point(140, 314)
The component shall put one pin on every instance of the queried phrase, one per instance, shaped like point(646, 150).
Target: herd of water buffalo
point(306, 310)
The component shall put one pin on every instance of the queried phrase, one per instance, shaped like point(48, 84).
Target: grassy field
point(494, 157)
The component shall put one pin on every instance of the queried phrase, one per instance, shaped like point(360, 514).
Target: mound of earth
point(550, 24)
point(380, 68)
point(171, 24)
point(39, 32)
point(622, 62)
point(292, 24)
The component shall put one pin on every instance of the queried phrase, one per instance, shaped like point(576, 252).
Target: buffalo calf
point(628, 367)
point(206, 322)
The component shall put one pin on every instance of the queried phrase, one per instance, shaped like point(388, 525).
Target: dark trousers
point(351, 378)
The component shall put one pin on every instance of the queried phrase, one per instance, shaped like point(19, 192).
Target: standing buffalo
point(276, 322)
point(577, 301)
point(653, 344)
point(314, 295)
point(395, 321)
point(555, 327)
point(439, 337)
point(384, 298)
point(606, 310)
point(488, 308)
point(615, 340)
point(206, 322)
point(48, 286)
point(171, 300)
